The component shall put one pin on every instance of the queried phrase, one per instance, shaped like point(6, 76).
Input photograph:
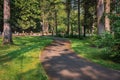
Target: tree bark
point(71, 30)
point(107, 11)
point(56, 25)
point(68, 4)
point(85, 18)
point(68, 23)
point(79, 18)
point(100, 11)
point(7, 33)
point(43, 24)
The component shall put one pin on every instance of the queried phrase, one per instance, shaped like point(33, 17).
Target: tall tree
point(1, 16)
point(89, 15)
point(7, 33)
point(55, 12)
point(79, 18)
point(44, 15)
point(85, 17)
point(107, 11)
point(100, 18)
point(56, 22)
point(68, 10)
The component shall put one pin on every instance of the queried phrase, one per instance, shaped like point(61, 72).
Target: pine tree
point(7, 33)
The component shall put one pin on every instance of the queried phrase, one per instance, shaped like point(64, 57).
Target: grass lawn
point(21, 60)
point(83, 48)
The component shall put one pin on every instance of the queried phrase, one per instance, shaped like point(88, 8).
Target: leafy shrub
point(115, 49)
point(110, 45)
point(110, 41)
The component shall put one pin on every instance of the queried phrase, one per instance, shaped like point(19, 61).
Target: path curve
point(61, 63)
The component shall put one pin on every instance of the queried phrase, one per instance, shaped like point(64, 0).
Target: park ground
point(21, 61)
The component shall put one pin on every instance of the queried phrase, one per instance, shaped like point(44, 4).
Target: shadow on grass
point(95, 54)
point(71, 67)
point(64, 64)
point(16, 53)
point(33, 74)
point(26, 44)
point(22, 63)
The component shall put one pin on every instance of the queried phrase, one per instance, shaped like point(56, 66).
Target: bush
point(110, 41)
point(115, 49)
point(110, 45)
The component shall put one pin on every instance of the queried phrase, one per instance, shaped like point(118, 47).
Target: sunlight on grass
point(83, 48)
point(21, 60)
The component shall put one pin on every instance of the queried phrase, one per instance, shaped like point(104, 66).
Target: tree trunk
point(7, 33)
point(68, 5)
point(68, 22)
point(71, 30)
point(85, 18)
point(79, 18)
point(107, 11)
point(100, 11)
point(56, 26)
point(43, 24)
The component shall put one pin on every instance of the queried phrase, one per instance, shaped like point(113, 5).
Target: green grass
point(83, 49)
point(21, 60)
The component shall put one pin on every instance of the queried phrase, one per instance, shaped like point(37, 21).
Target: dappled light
point(61, 63)
point(59, 39)
point(95, 54)
point(21, 60)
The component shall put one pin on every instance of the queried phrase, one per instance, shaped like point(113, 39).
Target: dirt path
point(61, 63)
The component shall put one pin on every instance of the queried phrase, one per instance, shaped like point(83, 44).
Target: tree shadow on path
point(61, 63)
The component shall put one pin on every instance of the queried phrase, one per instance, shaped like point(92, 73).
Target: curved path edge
point(61, 63)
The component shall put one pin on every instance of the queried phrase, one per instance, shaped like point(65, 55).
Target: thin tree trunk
point(68, 22)
point(71, 30)
point(107, 11)
point(79, 18)
point(56, 26)
point(100, 11)
point(7, 33)
point(68, 5)
point(43, 19)
point(85, 18)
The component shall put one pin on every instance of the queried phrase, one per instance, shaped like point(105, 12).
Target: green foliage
point(110, 41)
point(89, 13)
point(61, 29)
point(110, 44)
point(115, 49)
point(105, 40)
point(92, 53)
point(25, 14)
point(21, 60)
point(115, 25)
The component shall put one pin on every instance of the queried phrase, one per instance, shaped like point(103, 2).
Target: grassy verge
point(21, 60)
point(83, 48)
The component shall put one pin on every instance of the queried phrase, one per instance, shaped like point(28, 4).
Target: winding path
point(61, 63)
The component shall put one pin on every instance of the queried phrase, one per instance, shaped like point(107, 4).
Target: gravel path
point(61, 63)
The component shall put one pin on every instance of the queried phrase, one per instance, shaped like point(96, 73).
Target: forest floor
point(61, 63)
point(20, 61)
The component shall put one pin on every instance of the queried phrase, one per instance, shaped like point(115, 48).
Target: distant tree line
point(60, 17)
